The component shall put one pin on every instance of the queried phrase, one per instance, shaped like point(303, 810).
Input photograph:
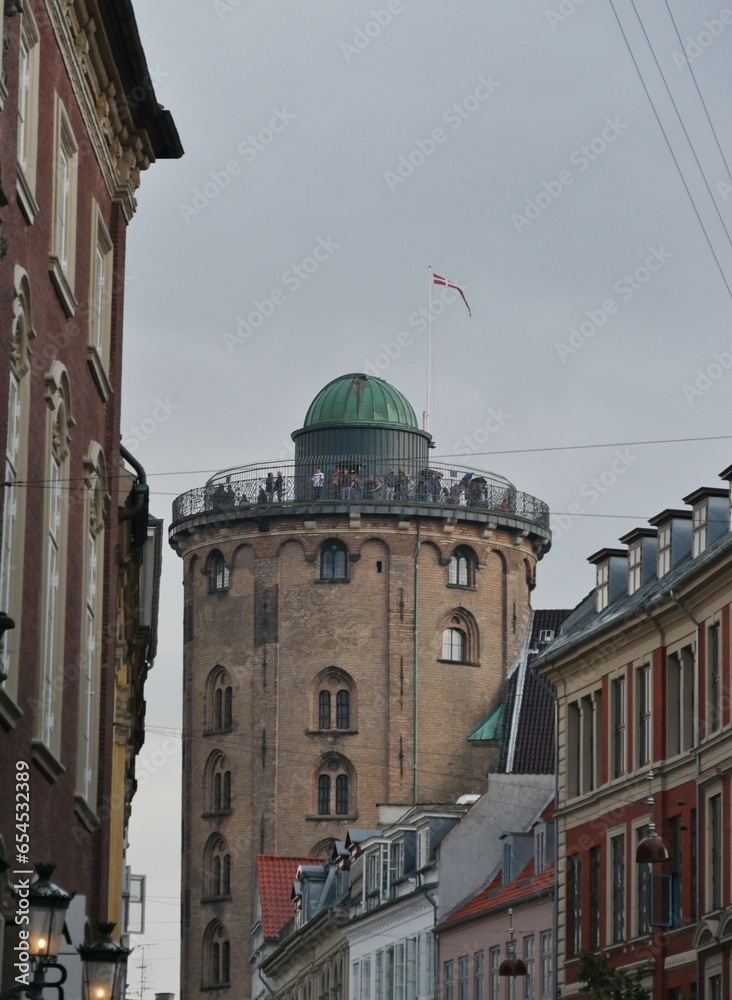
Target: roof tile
point(276, 875)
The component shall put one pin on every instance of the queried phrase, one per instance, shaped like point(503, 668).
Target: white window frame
point(699, 520)
point(710, 793)
point(619, 725)
point(635, 566)
point(62, 256)
point(101, 273)
point(546, 964)
point(611, 836)
point(423, 848)
point(29, 62)
point(602, 586)
point(644, 723)
point(714, 677)
point(663, 558)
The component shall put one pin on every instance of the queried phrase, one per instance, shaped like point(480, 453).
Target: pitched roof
point(496, 896)
point(527, 743)
point(276, 876)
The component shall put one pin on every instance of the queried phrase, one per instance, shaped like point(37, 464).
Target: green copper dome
point(358, 398)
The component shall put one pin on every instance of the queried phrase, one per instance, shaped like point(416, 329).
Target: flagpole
point(426, 415)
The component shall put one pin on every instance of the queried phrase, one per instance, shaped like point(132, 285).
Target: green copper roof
point(490, 729)
point(359, 398)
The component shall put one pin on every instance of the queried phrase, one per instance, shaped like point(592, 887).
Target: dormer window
point(602, 590)
point(663, 564)
point(699, 528)
point(423, 848)
point(635, 567)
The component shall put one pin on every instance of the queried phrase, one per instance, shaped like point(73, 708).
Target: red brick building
point(642, 674)
point(72, 145)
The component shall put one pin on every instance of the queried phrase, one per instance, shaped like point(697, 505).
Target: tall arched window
point(334, 561)
point(343, 709)
point(219, 701)
point(453, 645)
point(341, 795)
point(334, 700)
point(216, 956)
point(218, 573)
point(216, 868)
point(335, 788)
point(461, 569)
point(324, 710)
point(218, 784)
point(460, 638)
point(14, 496)
point(54, 547)
point(91, 636)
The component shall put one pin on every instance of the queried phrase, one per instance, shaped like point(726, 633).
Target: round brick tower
point(349, 619)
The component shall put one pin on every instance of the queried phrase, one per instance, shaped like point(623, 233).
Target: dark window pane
point(324, 795)
point(342, 795)
point(227, 708)
point(324, 710)
point(343, 710)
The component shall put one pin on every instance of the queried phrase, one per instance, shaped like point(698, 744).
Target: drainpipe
point(416, 658)
point(555, 821)
point(697, 899)
point(140, 488)
point(435, 950)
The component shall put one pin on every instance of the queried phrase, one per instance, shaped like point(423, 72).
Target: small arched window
point(460, 572)
point(219, 784)
point(219, 701)
point(219, 578)
point(343, 709)
point(216, 956)
point(453, 645)
point(335, 786)
point(216, 868)
point(323, 795)
point(324, 710)
point(334, 561)
point(341, 795)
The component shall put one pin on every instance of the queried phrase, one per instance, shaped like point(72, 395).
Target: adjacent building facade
point(642, 673)
point(349, 618)
point(77, 575)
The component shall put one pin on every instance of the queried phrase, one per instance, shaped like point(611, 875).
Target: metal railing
point(359, 479)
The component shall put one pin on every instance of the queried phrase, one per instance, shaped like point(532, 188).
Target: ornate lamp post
point(511, 965)
point(105, 965)
point(651, 850)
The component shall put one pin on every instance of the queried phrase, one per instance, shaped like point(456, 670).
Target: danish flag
point(439, 280)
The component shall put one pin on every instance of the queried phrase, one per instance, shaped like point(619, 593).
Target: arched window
point(216, 956)
point(335, 786)
point(323, 795)
point(324, 710)
point(219, 700)
point(218, 573)
point(343, 709)
point(461, 570)
point(218, 783)
point(334, 700)
point(334, 561)
point(341, 795)
point(216, 868)
point(453, 645)
point(460, 638)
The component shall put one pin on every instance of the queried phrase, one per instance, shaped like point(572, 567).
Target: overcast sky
point(565, 162)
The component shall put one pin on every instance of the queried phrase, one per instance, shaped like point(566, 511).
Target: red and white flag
point(439, 280)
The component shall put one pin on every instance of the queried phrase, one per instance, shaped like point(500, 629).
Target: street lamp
point(651, 850)
point(47, 908)
point(105, 963)
point(511, 965)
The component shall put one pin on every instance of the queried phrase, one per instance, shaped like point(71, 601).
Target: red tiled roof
point(494, 896)
point(276, 875)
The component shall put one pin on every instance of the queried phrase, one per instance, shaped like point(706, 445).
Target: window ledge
point(218, 732)
point(218, 590)
point(461, 586)
point(46, 761)
point(332, 818)
point(61, 283)
point(216, 815)
point(459, 663)
point(218, 986)
point(216, 899)
point(86, 814)
point(25, 197)
point(320, 580)
point(331, 732)
point(98, 373)
point(10, 711)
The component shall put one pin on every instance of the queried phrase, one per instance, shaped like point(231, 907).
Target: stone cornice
point(120, 150)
